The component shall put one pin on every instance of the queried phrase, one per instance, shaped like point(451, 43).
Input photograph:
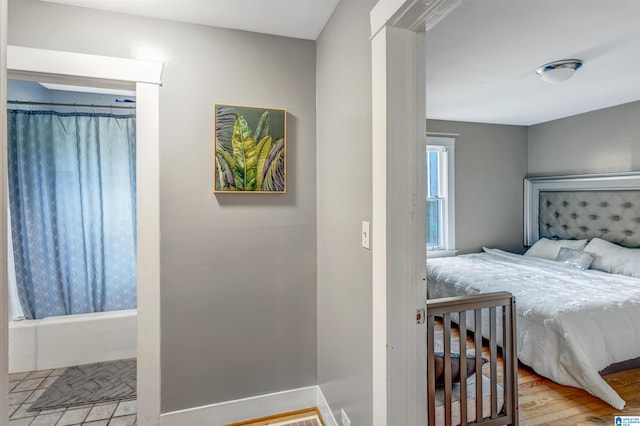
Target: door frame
point(398, 49)
point(145, 77)
point(4, 308)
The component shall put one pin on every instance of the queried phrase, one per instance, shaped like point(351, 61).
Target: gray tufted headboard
point(610, 215)
point(606, 206)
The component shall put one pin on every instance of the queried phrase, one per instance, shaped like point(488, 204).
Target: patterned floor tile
point(53, 410)
point(16, 377)
point(35, 395)
point(93, 383)
point(12, 409)
point(16, 398)
point(48, 382)
point(121, 412)
point(97, 423)
point(21, 412)
point(123, 421)
point(28, 384)
point(46, 419)
point(39, 374)
point(126, 408)
point(21, 422)
point(73, 416)
point(58, 372)
point(100, 412)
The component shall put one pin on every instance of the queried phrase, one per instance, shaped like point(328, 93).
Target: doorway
point(71, 256)
point(143, 78)
point(398, 43)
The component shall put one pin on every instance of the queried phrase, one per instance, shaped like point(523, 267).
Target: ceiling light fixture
point(559, 71)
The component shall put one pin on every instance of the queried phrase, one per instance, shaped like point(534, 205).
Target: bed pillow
point(455, 367)
point(576, 258)
point(545, 248)
point(615, 259)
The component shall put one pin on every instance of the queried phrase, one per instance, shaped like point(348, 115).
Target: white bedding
point(571, 324)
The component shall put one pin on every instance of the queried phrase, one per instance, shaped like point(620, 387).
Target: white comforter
point(570, 323)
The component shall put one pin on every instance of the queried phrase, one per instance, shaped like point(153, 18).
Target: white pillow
point(613, 258)
point(545, 248)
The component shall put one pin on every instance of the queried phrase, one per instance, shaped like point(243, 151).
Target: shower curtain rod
point(71, 105)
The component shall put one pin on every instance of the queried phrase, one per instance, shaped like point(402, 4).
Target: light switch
point(366, 237)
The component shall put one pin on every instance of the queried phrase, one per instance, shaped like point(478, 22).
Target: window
point(440, 196)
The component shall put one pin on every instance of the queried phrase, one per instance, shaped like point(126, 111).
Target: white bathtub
point(70, 340)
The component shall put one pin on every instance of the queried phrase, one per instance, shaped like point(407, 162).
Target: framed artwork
point(250, 149)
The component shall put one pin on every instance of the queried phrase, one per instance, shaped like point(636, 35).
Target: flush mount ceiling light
point(559, 71)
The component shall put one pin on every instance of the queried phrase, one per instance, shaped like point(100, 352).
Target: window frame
point(447, 185)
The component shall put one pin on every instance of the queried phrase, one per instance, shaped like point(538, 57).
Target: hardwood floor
point(543, 402)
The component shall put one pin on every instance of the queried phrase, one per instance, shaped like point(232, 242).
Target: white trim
point(27, 59)
point(434, 254)
point(414, 15)
point(398, 129)
point(52, 64)
point(252, 408)
point(148, 251)
point(382, 12)
point(397, 62)
point(4, 314)
point(444, 135)
point(448, 142)
point(420, 247)
point(441, 140)
point(379, 229)
point(591, 182)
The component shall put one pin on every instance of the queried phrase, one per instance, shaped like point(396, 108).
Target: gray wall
point(607, 140)
point(492, 160)
point(238, 286)
point(490, 165)
point(344, 201)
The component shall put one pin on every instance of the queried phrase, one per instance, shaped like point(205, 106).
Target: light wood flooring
point(543, 402)
point(291, 416)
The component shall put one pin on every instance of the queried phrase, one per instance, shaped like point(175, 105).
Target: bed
point(572, 324)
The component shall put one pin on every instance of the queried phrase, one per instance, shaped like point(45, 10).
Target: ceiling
point(290, 18)
point(481, 59)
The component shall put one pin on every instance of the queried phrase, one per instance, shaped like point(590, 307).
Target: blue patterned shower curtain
point(72, 204)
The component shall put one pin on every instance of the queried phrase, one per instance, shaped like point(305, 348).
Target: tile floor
point(25, 388)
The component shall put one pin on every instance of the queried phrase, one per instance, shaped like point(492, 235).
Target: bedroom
point(493, 154)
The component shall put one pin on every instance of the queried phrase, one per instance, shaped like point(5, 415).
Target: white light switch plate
point(365, 235)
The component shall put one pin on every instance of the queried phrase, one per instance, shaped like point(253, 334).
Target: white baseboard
point(252, 408)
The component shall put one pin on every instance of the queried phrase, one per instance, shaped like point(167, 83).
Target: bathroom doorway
point(71, 252)
point(144, 79)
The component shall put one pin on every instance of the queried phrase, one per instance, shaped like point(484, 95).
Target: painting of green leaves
point(250, 153)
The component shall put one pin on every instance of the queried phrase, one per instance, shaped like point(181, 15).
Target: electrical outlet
point(345, 419)
point(365, 234)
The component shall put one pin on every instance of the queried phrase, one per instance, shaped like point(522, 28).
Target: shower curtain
point(72, 205)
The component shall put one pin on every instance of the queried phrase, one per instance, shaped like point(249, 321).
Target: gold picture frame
point(249, 149)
